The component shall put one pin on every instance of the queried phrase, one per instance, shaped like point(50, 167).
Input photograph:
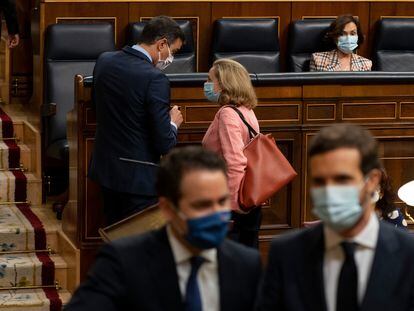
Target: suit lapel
point(355, 63)
point(226, 267)
point(313, 284)
point(384, 268)
point(333, 64)
point(164, 272)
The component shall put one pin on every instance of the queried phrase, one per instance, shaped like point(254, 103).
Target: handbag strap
point(252, 132)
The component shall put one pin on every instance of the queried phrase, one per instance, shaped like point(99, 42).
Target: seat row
point(255, 44)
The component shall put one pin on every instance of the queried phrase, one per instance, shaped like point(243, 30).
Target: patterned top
point(396, 218)
point(329, 61)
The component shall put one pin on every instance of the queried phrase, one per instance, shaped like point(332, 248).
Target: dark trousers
point(119, 205)
point(246, 227)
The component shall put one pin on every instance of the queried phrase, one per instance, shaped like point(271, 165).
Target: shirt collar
point(368, 237)
point(182, 254)
point(142, 50)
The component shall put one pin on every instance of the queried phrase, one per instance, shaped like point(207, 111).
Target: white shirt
point(334, 257)
point(142, 50)
point(207, 277)
point(145, 52)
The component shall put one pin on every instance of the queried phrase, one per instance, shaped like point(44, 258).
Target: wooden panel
point(283, 210)
point(319, 112)
point(84, 12)
point(360, 91)
point(258, 9)
point(333, 9)
point(278, 92)
point(390, 9)
point(279, 112)
point(200, 113)
point(198, 11)
point(307, 215)
point(93, 217)
point(407, 110)
point(321, 91)
point(187, 92)
point(369, 111)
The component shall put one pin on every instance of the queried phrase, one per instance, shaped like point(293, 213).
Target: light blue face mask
point(209, 92)
point(347, 44)
point(337, 206)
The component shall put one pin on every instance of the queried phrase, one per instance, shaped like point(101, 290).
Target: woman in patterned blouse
point(345, 33)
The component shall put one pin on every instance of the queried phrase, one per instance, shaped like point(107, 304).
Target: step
point(31, 300)
point(8, 186)
point(61, 270)
point(26, 270)
point(25, 157)
point(34, 189)
point(64, 296)
point(18, 234)
point(50, 224)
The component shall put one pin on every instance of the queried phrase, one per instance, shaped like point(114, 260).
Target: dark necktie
point(192, 294)
point(347, 297)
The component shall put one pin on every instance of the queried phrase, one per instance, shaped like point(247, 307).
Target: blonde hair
point(236, 86)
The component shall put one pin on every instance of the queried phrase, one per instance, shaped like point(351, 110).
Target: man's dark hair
point(337, 27)
point(347, 136)
point(181, 161)
point(161, 27)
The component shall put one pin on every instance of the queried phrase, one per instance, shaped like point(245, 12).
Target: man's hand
point(13, 40)
point(176, 116)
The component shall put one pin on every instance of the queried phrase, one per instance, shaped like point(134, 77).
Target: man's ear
point(374, 180)
point(160, 44)
point(166, 208)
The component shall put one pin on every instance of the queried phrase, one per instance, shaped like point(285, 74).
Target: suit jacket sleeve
point(9, 11)
point(232, 145)
point(270, 294)
point(164, 135)
point(104, 288)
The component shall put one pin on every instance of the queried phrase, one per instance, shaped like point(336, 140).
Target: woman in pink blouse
point(229, 84)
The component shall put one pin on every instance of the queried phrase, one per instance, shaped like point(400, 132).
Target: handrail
point(298, 78)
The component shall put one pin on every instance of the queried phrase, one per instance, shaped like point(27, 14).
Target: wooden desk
point(290, 110)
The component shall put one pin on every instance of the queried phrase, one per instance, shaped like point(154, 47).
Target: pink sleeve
point(232, 145)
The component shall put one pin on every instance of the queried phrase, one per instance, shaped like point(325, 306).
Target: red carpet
point(21, 229)
point(6, 130)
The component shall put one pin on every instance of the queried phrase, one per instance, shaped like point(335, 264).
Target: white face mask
point(162, 64)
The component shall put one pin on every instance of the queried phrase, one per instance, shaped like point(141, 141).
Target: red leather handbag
point(267, 169)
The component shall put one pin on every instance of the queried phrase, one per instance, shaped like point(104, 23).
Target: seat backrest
point(394, 45)
point(306, 37)
point(70, 49)
point(253, 42)
point(184, 59)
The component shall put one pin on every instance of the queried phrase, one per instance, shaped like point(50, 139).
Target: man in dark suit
point(351, 261)
point(135, 123)
point(188, 265)
point(8, 8)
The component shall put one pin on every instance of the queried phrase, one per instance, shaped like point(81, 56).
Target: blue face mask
point(347, 44)
point(208, 231)
point(209, 92)
point(337, 206)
